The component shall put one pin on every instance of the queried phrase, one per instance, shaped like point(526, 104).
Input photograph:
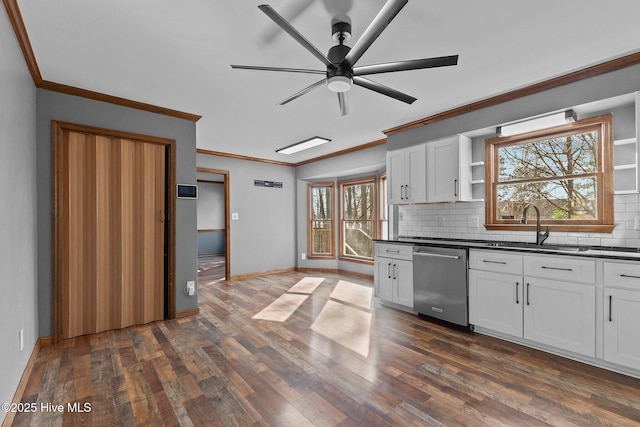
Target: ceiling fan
point(341, 70)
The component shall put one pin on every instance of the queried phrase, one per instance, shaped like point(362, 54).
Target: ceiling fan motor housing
point(340, 76)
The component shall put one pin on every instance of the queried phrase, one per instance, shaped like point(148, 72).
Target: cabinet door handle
point(395, 272)
point(610, 304)
point(556, 268)
point(528, 294)
point(389, 270)
point(494, 262)
point(629, 276)
point(455, 187)
point(517, 285)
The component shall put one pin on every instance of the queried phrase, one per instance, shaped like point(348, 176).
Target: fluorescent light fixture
point(339, 83)
point(537, 123)
point(303, 145)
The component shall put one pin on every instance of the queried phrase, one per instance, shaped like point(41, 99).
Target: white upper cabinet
point(448, 169)
point(406, 175)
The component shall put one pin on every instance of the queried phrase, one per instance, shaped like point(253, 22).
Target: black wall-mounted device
point(187, 191)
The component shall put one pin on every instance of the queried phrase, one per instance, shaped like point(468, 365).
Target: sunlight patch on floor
point(281, 308)
point(353, 294)
point(306, 285)
point(345, 325)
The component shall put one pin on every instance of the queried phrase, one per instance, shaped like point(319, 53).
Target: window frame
point(604, 223)
point(310, 252)
point(366, 180)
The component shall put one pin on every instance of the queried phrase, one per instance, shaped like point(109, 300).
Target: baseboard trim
point(188, 312)
point(335, 271)
point(303, 270)
point(261, 273)
point(24, 380)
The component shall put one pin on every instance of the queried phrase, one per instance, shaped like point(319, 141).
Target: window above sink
point(566, 171)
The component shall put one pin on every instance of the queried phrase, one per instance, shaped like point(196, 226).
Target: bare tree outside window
point(321, 228)
point(556, 174)
point(358, 218)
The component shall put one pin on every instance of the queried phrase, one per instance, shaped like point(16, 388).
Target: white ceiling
point(176, 54)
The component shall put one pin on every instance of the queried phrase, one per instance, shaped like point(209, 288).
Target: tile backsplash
point(456, 221)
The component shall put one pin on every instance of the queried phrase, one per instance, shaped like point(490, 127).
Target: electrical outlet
point(235, 216)
point(473, 222)
point(191, 287)
point(303, 255)
point(21, 339)
point(441, 221)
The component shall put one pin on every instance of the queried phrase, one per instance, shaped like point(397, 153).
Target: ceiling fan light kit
point(340, 62)
point(339, 83)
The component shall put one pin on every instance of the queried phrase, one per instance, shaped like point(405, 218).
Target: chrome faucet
point(540, 237)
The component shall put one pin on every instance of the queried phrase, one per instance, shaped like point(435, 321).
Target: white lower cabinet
point(549, 310)
point(622, 314)
point(495, 301)
point(393, 274)
point(560, 314)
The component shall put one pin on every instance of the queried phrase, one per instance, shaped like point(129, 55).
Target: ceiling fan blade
point(291, 9)
point(302, 92)
point(377, 26)
point(286, 26)
point(385, 90)
point(343, 101)
point(414, 64)
point(288, 70)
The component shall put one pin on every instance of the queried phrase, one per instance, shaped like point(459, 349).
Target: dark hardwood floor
point(222, 367)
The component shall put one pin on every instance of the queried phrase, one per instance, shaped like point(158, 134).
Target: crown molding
point(97, 96)
point(585, 73)
point(15, 17)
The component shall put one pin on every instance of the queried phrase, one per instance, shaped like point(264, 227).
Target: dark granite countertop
point(610, 252)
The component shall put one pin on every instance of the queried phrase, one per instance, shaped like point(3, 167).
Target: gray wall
point(263, 238)
point(361, 163)
point(57, 106)
point(18, 226)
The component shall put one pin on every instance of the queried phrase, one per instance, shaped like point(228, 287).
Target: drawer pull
point(629, 276)
point(556, 268)
point(494, 262)
point(393, 251)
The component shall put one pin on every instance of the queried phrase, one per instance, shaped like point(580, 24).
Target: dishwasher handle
point(434, 255)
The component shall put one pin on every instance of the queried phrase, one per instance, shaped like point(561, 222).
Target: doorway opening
point(214, 263)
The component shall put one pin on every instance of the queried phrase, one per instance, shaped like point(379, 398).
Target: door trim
point(57, 130)
point(227, 218)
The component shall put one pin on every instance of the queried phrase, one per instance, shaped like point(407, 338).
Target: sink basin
point(534, 247)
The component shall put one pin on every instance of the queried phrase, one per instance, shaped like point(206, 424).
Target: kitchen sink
point(534, 247)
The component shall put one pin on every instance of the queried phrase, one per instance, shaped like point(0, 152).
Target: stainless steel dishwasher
point(440, 283)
